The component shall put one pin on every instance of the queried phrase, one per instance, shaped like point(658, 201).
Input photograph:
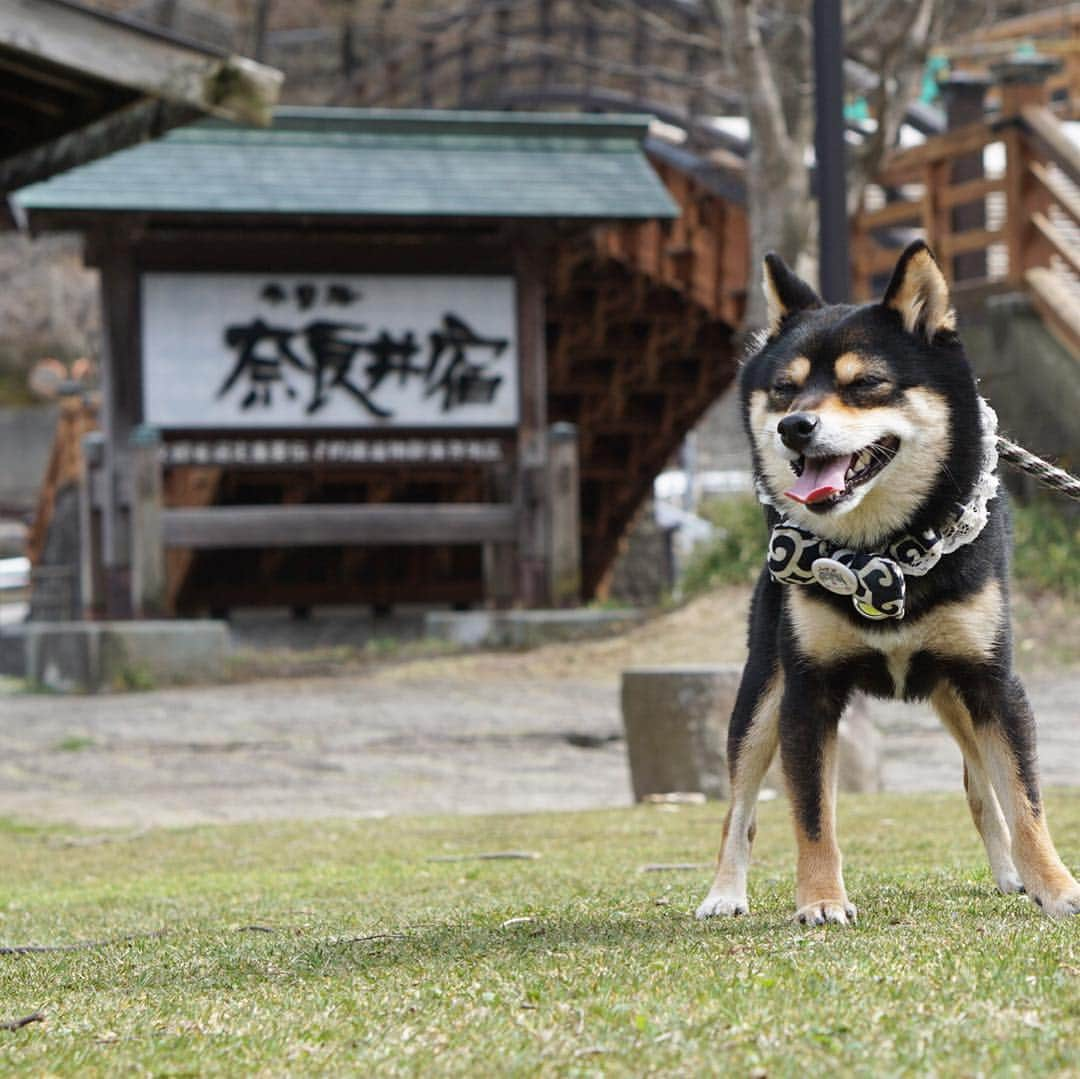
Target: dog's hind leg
point(1005, 733)
point(809, 715)
point(751, 746)
point(982, 801)
point(752, 739)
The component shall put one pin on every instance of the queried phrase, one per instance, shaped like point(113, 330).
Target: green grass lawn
point(377, 947)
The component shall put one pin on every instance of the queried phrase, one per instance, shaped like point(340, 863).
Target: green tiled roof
point(379, 163)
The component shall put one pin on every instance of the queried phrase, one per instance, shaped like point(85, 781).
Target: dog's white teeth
point(860, 462)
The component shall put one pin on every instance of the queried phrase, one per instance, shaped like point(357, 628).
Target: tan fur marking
point(923, 297)
point(818, 876)
point(1035, 853)
point(798, 370)
point(968, 629)
point(849, 367)
point(832, 408)
point(922, 423)
point(950, 709)
point(1044, 875)
point(728, 890)
point(774, 307)
point(983, 803)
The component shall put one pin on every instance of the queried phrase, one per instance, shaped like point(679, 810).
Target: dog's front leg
point(1005, 732)
point(982, 801)
point(809, 714)
point(752, 737)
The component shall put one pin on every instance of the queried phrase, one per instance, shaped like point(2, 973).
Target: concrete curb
point(91, 657)
point(522, 629)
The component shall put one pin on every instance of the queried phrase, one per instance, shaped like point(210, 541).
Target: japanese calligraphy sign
point(282, 351)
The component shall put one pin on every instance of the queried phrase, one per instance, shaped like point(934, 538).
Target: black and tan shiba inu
point(887, 572)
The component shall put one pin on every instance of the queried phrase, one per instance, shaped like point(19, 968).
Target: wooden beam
point(1061, 192)
point(970, 191)
point(331, 526)
point(907, 164)
point(117, 52)
point(1043, 127)
point(564, 516)
point(1057, 240)
point(144, 119)
point(148, 585)
point(977, 239)
point(1053, 22)
point(1056, 303)
point(895, 213)
point(530, 272)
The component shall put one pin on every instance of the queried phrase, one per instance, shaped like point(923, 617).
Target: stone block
point(676, 722)
point(89, 657)
point(12, 651)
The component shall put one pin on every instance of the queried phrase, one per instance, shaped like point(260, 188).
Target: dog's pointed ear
point(785, 292)
point(919, 293)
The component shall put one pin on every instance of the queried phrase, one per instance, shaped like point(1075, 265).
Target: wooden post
point(499, 580)
point(1023, 83)
point(935, 217)
point(532, 425)
point(564, 516)
point(147, 546)
point(121, 407)
point(91, 565)
point(965, 103)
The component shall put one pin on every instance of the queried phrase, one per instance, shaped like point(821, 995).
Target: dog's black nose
point(797, 429)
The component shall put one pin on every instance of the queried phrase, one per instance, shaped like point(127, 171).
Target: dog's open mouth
point(824, 482)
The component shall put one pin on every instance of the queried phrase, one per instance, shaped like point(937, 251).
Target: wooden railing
point(917, 195)
point(999, 202)
point(1051, 256)
point(1055, 32)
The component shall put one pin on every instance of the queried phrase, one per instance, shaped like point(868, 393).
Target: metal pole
point(829, 149)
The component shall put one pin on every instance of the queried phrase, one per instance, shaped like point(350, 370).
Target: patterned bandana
point(875, 581)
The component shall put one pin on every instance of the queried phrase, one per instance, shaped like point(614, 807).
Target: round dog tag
point(835, 576)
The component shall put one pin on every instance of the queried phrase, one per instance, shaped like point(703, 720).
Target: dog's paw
point(826, 912)
point(719, 905)
point(1062, 903)
point(1008, 881)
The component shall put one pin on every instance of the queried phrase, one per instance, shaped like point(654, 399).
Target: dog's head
point(864, 421)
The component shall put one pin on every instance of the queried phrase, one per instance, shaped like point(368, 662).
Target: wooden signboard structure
point(325, 376)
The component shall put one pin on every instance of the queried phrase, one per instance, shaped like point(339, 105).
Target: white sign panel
point(320, 351)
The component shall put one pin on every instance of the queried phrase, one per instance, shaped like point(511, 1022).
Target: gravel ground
point(388, 742)
point(482, 732)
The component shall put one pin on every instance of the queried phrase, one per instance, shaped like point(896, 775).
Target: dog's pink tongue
point(821, 477)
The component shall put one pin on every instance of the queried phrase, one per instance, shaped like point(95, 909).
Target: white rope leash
point(1048, 475)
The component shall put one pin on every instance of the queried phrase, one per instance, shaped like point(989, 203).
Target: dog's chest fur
point(966, 630)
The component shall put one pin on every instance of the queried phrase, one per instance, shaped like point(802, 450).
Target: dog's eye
point(868, 382)
point(784, 386)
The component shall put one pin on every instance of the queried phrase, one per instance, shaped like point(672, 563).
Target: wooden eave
point(76, 84)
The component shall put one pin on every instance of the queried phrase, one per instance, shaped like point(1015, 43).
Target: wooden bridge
point(641, 318)
point(513, 54)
